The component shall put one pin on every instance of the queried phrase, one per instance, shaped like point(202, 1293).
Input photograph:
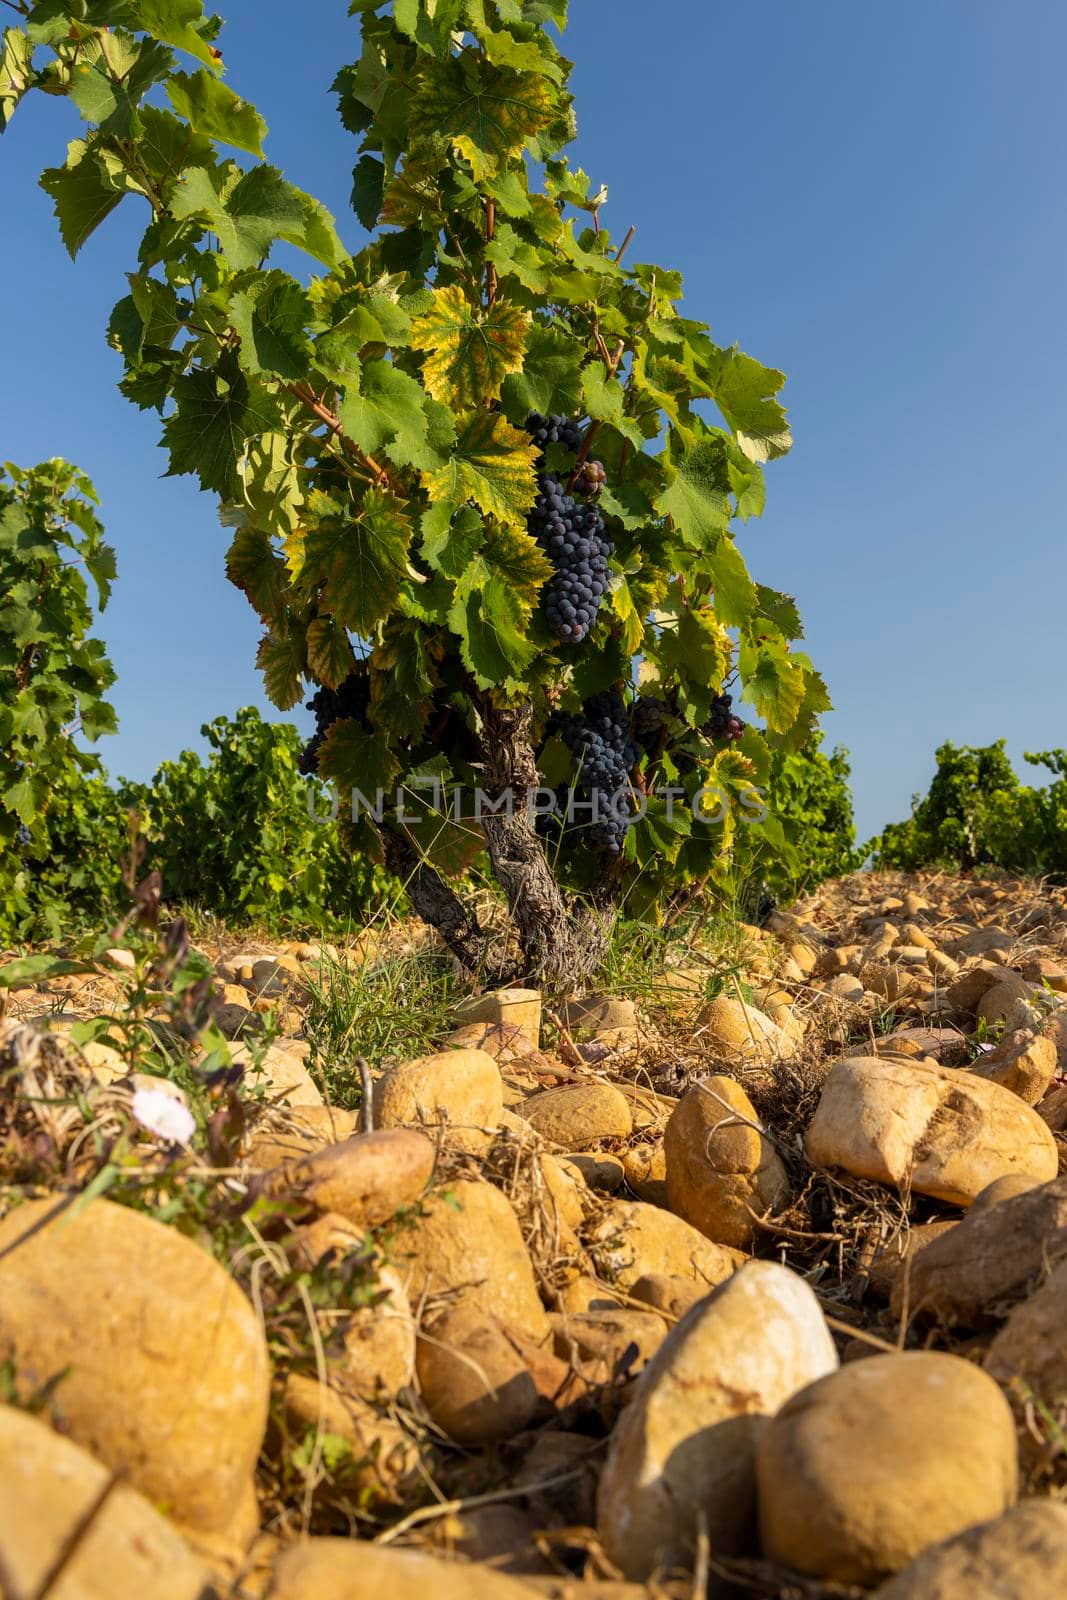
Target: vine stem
point(310, 400)
point(490, 229)
point(625, 243)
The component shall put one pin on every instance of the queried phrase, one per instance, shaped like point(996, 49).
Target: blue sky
point(870, 197)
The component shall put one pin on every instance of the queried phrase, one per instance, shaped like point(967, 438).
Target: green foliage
point(809, 834)
point(232, 837)
point(364, 431)
point(53, 674)
point(978, 813)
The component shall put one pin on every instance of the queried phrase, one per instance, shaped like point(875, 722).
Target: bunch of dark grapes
point(554, 430)
point(604, 755)
point(572, 536)
point(23, 836)
point(647, 719)
point(723, 723)
point(350, 699)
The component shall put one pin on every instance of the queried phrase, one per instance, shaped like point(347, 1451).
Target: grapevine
point(476, 457)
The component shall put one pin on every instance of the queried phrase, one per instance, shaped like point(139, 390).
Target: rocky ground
point(748, 1277)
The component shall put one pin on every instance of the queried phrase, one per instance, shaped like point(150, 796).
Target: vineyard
point(517, 1139)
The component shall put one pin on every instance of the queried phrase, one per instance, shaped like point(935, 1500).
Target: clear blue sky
point(868, 196)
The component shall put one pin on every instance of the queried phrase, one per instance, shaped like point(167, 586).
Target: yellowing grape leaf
point(470, 350)
point(492, 464)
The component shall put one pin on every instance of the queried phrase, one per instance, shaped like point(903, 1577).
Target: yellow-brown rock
point(458, 1090)
point(723, 1173)
point(575, 1116)
point(631, 1239)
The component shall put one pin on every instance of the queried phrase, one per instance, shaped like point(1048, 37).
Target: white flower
point(162, 1114)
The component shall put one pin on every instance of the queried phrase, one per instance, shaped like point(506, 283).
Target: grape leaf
point(282, 659)
point(357, 760)
point(735, 592)
point(696, 496)
point(744, 392)
point(16, 71)
point(401, 678)
point(271, 316)
point(175, 22)
point(360, 557)
point(255, 567)
point(603, 399)
point(490, 621)
point(212, 109)
point(217, 410)
point(449, 542)
point(330, 654)
point(386, 409)
point(486, 113)
point(470, 351)
point(550, 378)
point(249, 215)
point(774, 682)
point(368, 190)
point(515, 257)
point(82, 193)
point(781, 610)
point(492, 464)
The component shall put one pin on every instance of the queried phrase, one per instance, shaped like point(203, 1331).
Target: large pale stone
point(520, 1008)
point(459, 1089)
point(473, 1378)
point(685, 1445)
point(631, 1239)
point(1019, 1556)
point(722, 1171)
point(282, 1074)
point(598, 1013)
point(741, 1033)
point(48, 1489)
point(861, 1471)
point(291, 1132)
point(169, 1376)
point(946, 1133)
point(470, 1243)
point(1029, 1352)
point(995, 1256)
point(573, 1117)
point(1023, 1062)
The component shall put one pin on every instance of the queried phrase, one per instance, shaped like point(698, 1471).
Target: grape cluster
point(23, 836)
point(604, 754)
point(723, 723)
point(350, 699)
point(554, 430)
point(646, 719)
point(573, 537)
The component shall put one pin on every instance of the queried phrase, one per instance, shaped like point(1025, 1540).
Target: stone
point(1019, 1556)
point(501, 1536)
point(887, 981)
point(982, 942)
point(473, 1378)
point(366, 1179)
point(49, 1488)
point(897, 1256)
point(1053, 1109)
point(598, 1013)
point(169, 1376)
point(965, 993)
point(277, 976)
point(1023, 1062)
point(382, 1464)
point(742, 1033)
point(470, 1244)
point(521, 1008)
point(623, 1338)
point(948, 1046)
point(671, 1297)
point(630, 1239)
point(598, 1170)
point(994, 1257)
point(282, 1075)
point(1028, 1354)
point(998, 1001)
point(945, 1133)
point(845, 987)
point(941, 966)
point(1049, 974)
point(722, 1171)
point(685, 1446)
point(572, 1117)
point(863, 1470)
point(645, 1167)
point(341, 1569)
point(459, 1090)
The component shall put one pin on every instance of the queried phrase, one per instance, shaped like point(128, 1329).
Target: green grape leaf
point(744, 392)
point(360, 557)
point(330, 654)
point(781, 610)
point(368, 190)
point(271, 316)
point(515, 257)
point(175, 22)
point(492, 464)
point(282, 659)
point(488, 114)
point(774, 682)
point(386, 409)
point(251, 214)
point(82, 194)
point(630, 615)
point(401, 678)
point(509, 193)
point(256, 568)
point(27, 796)
point(694, 645)
point(217, 410)
point(550, 379)
point(357, 760)
point(603, 399)
point(212, 109)
point(451, 541)
point(469, 351)
point(16, 72)
point(816, 700)
point(696, 495)
point(735, 592)
point(490, 620)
